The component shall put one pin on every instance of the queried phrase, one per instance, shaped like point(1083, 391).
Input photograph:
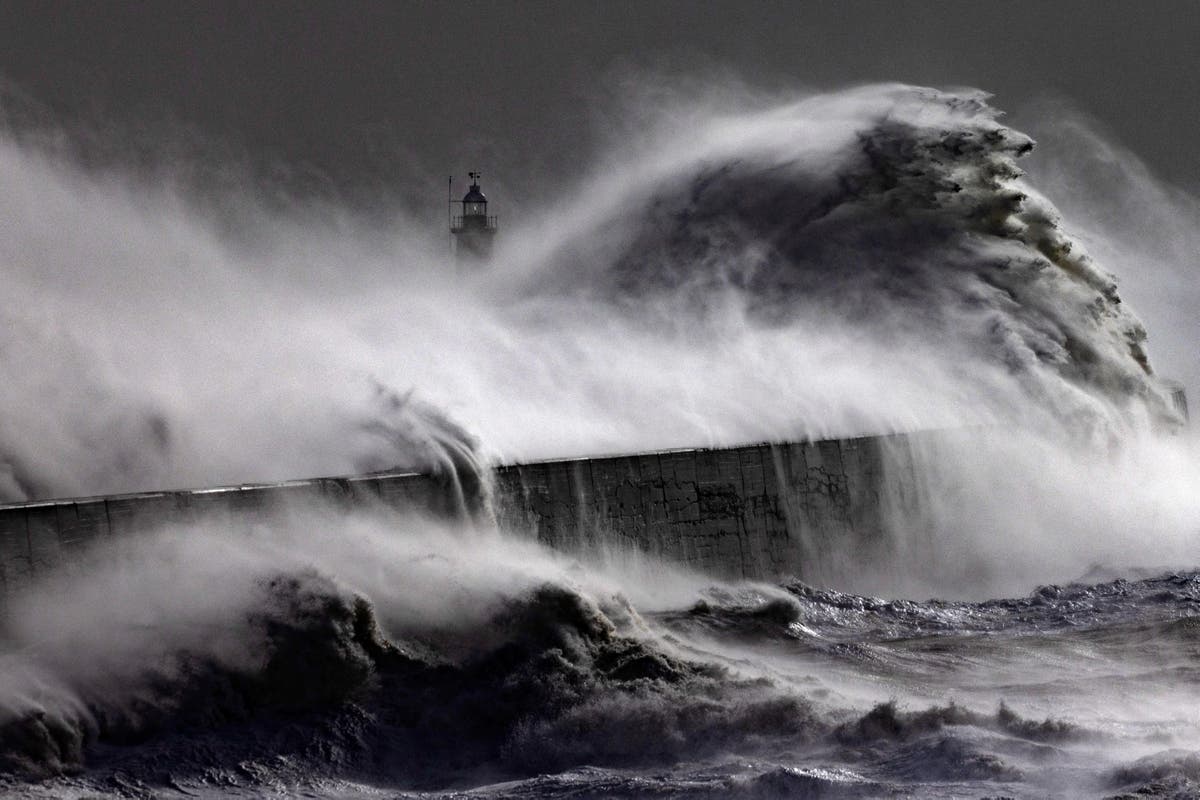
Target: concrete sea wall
point(761, 511)
point(38, 537)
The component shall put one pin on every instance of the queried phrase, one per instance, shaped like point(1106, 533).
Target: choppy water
point(861, 262)
point(532, 675)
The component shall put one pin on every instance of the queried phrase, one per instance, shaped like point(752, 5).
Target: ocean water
point(861, 262)
point(426, 661)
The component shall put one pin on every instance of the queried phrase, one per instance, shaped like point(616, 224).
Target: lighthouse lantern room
point(473, 231)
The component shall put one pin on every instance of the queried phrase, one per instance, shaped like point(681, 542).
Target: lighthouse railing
point(460, 223)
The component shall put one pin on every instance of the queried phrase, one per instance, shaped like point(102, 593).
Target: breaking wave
point(889, 215)
point(397, 659)
point(866, 262)
point(860, 262)
point(531, 674)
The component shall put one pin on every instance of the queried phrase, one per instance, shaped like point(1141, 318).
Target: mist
point(1139, 224)
point(341, 652)
point(317, 606)
point(743, 268)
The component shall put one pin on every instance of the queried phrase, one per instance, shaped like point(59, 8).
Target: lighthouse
point(473, 230)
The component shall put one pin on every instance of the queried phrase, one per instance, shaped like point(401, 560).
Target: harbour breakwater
point(760, 511)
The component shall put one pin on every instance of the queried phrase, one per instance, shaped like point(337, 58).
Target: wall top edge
point(213, 490)
point(373, 476)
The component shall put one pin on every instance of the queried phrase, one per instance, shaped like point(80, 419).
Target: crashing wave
point(860, 259)
point(544, 686)
point(906, 217)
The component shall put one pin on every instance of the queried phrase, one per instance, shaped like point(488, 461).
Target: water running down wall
point(760, 511)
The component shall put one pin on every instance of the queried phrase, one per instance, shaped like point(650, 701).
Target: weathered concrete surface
point(38, 537)
point(760, 511)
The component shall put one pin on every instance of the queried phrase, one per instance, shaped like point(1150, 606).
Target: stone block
point(143, 512)
point(629, 499)
point(831, 456)
point(44, 550)
point(16, 561)
point(407, 492)
point(681, 501)
point(752, 470)
point(679, 466)
point(81, 523)
point(583, 489)
point(611, 472)
point(708, 468)
point(213, 507)
point(729, 464)
point(799, 460)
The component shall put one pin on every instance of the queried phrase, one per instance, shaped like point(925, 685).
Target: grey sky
point(388, 95)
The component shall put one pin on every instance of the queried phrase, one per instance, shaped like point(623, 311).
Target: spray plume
point(861, 262)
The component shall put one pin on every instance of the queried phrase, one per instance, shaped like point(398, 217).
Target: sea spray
point(852, 263)
point(474, 653)
point(862, 261)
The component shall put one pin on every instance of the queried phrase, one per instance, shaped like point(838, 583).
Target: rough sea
point(543, 680)
point(862, 262)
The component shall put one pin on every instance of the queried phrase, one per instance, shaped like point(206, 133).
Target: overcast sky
point(397, 94)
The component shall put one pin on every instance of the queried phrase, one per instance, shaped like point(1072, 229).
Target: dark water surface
point(556, 689)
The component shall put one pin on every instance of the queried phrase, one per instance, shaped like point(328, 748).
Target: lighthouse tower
point(474, 231)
